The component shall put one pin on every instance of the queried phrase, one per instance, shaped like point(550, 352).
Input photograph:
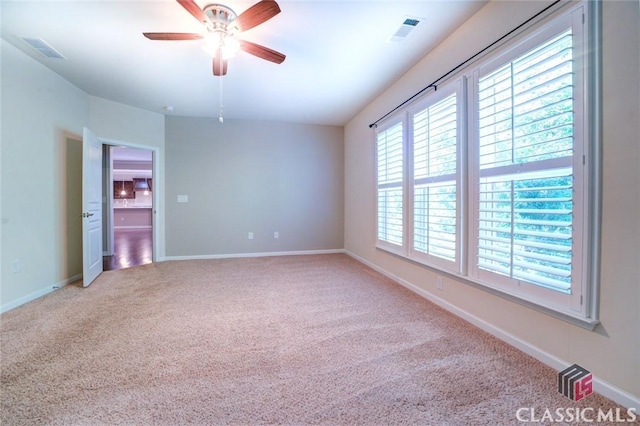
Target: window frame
point(569, 303)
point(454, 88)
point(385, 244)
point(580, 307)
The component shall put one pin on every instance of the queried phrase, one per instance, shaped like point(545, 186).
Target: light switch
point(183, 198)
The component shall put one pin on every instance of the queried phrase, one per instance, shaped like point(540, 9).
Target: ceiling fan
point(223, 26)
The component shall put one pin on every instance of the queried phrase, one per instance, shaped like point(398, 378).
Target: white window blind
point(525, 128)
point(525, 227)
point(390, 175)
point(435, 141)
point(526, 107)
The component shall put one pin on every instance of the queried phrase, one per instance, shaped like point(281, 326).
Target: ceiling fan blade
point(219, 67)
point(194, 10)
point(257, 14)
point(173, 36)
point(262, 52)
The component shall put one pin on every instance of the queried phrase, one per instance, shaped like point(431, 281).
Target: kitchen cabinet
point(132, 217)
point(118, 185)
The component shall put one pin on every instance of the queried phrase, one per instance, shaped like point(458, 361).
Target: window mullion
point(408, 184)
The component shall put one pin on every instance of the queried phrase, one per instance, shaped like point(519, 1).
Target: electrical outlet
point(250, 236)
point(276, 235)
point(440, 283)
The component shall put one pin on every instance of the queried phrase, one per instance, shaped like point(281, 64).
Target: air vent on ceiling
point(43, 48)
point(409, 24)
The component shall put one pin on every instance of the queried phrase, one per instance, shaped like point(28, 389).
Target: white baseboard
point(602, 387)
point(262, 254)
point(38, 293)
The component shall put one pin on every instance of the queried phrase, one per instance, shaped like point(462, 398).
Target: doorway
point(129, 189)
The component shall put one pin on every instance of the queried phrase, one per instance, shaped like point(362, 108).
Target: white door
point(91, 207)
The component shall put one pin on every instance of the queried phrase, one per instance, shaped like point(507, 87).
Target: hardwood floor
point(132, 247)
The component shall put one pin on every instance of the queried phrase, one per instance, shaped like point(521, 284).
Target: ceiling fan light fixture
point(218, 42)
point(211, 43)
point(230, 47)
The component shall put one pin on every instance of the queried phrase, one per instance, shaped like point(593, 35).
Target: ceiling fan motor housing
point(220, 18)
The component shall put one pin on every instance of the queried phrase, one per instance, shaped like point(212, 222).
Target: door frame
point(155, 196)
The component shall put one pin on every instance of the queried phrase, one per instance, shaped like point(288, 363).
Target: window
point(487, 177)
point(390, 159)
point(427, 136)
point(434, 143)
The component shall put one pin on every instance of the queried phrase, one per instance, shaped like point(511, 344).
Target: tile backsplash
point(140, 200)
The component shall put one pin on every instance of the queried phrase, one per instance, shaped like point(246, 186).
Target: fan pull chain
point(220, 116)
point(221, 64)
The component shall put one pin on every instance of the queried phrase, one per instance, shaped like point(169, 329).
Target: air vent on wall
point(407, 26)
point(43, 48)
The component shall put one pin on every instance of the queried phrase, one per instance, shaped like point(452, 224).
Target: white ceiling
point(338, 54)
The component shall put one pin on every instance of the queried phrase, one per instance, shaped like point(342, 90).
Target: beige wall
point(42, 119)
point(120, 122)
point(248, 176)
point(612, 351)
point(117, 123)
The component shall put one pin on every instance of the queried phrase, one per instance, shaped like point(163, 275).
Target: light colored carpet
point(275, 340)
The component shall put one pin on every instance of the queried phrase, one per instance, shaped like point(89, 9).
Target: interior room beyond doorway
point(131, 213)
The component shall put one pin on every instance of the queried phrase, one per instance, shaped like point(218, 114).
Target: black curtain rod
point(435, 82)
